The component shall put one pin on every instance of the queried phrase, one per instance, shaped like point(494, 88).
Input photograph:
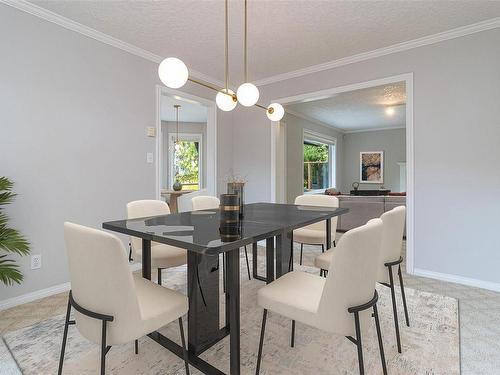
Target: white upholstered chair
point(162, 255)
point(392, 241)
point(207, 202)
point(112, 305)
point(340, 302)
point(315, 234)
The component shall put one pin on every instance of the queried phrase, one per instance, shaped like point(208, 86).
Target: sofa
point(364, 208)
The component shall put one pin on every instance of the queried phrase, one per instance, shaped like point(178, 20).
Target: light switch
point(149, 157)
point(151, 131)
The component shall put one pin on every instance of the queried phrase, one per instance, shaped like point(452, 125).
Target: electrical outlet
point(36, 261)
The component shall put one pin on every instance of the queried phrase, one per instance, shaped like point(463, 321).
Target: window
point(185, 161)
point(319, 162)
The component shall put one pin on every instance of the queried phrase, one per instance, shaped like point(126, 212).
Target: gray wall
point(73, 113)
point(295, 127)
point(457, 133)
point(169, 127)
point(392, 142)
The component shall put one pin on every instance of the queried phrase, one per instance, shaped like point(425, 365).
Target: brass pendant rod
point(226, 45)
point(246, 43)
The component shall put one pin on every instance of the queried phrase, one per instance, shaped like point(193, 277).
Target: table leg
point(269, 260)
point(146, 259)
point(328, 233)
point(173, 203)
point(256, 276)
point(283, 252)
point(203, 293)
point(233, 289)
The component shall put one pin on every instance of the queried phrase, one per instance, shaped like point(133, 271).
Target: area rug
point(430, 345)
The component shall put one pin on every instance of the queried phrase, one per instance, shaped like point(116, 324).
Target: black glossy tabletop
point(200, 231)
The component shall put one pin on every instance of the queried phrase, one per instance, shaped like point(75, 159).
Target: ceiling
point(358, 110)
point(190, 111)
point(284, 35)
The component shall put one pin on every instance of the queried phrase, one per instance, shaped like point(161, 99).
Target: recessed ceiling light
point(389, 111)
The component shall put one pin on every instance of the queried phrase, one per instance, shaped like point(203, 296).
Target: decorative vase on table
point(177, 186)
point(229, 217)
point(237, 188)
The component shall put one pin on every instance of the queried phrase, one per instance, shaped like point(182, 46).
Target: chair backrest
point(184, 201)
point(351, 278)
point(392, 239)
point(101, 281)
point(144, 208)
point(205, 202)
point(322, 201)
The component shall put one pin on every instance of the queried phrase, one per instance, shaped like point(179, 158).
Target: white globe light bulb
point(173, 72)
point(225, 100)
point(248, 94)
point(275, 112)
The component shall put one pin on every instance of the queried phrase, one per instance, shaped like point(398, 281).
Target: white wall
point(73, 113)
point(392, 142)
point(295, 127)
point(457, 133)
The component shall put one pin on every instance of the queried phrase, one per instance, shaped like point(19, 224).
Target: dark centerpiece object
point(237, 188)
point(177, 186)
point(229, 217)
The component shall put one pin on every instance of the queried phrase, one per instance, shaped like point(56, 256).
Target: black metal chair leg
point(261, 343)
point(104, 349)
point(159, 276)
point(358, 343)
point(292, 341)
point(290, 261)
point(334, 243)
point(65, 337)
point(301, 251)
point(130, 252)
point(394, 308)
point(136, 346)
point(248, 264)
point(322, 248)
point(403, 295)
point(379, 336)
point(321, 272)
point(184, 350)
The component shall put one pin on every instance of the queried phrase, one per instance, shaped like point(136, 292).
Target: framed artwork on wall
point(371, 167)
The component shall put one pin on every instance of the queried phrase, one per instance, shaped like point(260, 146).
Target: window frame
point(331, 142)
point(187, 137)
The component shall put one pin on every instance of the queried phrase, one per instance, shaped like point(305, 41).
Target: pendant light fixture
point(174, 74)
point(247, 93)
point(176, 185)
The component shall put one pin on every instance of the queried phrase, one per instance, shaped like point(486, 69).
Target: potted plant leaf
point(11, 240)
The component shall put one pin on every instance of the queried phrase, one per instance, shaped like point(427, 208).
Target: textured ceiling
point(190, 111)
point(358, 110)
point(284, 35)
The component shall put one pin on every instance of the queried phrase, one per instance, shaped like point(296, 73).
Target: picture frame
point(371, 167)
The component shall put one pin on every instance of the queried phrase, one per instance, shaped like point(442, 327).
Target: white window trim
point(309, 135)
point(190, 137)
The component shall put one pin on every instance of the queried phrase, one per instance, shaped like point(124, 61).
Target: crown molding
point(399, 47)
point(69, 24)
point(373, 129)
point(313, 120)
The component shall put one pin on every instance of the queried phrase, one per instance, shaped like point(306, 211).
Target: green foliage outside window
point(187, 160)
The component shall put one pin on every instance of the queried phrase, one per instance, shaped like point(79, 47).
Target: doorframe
point(276, 151)
point(211, 139)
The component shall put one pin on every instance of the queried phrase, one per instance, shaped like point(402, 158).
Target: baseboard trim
point(33, 296)
point(47, 292)
point(457, 279)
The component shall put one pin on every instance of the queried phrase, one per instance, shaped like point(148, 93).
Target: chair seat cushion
point(310, 236)
point(296, 295)
point(323, 261)
point(158, 305)
point(165, 256)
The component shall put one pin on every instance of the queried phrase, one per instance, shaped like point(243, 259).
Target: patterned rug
point(430, 345)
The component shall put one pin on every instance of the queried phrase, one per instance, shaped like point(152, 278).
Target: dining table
point(204, 235)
